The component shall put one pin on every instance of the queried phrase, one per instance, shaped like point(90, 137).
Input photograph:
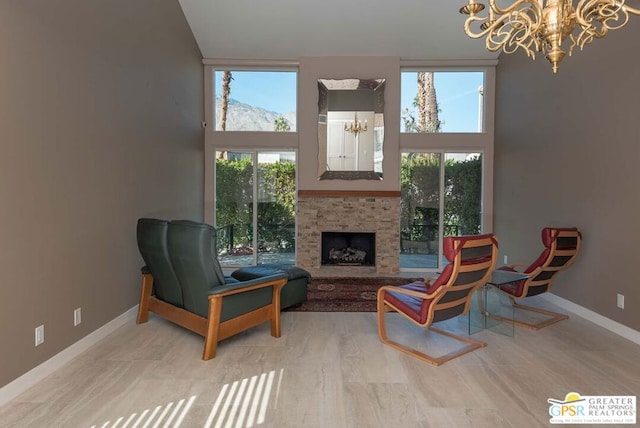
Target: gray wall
point(101, 104)
point(568, 153)
point(314, 68)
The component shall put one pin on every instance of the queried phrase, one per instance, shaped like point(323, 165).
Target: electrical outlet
point(620, 302)
point(505, 259)
point(77, 316)
point(39, 335)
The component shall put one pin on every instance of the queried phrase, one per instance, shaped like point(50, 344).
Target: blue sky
point(457, 94)
point(271, 91)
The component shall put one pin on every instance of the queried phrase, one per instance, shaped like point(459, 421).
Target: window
point(255, 207)
point(255, 100)
point(442, 101)
point(446, 152)
point(250, 175)
point(438, 199)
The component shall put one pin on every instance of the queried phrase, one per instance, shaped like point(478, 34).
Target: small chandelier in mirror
point(356, 127)
point(553, 27)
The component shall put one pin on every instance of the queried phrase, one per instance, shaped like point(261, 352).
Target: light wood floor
point(327, 370)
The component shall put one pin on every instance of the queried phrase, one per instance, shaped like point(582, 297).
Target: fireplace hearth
point(348, 248)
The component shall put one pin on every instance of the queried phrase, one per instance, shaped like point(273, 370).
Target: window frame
point(255, 198)
point(465, 142)
point(482, 142)
point(214, 69)
point(239, 140)
point(441, 205)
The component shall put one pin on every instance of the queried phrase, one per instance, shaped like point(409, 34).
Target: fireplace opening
point(348, 248)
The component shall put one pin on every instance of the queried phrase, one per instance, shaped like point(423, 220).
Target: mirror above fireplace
point(350, 129)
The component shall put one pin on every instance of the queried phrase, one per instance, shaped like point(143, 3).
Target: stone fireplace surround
point(348, 211)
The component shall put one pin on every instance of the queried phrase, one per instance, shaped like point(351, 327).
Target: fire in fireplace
point(348, 248)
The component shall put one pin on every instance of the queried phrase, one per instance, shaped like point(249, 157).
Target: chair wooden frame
point(211, 328)
point(469, 344)
point(532, 281)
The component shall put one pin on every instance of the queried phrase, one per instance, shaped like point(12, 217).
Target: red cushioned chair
point(561, 247)
point(472, 260)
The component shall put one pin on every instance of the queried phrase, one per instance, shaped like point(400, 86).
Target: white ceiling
point(290, 29)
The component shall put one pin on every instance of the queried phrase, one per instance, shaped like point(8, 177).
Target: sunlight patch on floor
point(241, 404)
point(174, 416)
point(244, 403)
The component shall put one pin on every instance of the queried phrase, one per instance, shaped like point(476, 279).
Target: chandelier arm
point(498, 10)
point(490, 28)
point(510, 31)
point(510, 18)
point(631, 10)
point(607, 15)
point(512, 40)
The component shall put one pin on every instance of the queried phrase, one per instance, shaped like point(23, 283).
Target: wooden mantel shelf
point(349, 193)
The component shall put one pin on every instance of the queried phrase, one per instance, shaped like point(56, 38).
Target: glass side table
point(491, 308)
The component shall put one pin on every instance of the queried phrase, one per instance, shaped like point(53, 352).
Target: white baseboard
point(609, 324)
point(35, 375)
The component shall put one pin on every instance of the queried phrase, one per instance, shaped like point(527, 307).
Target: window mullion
point(441, 209)
point(255, 207)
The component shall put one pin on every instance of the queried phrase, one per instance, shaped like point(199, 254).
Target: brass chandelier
point(356, 126)
point(553, 27)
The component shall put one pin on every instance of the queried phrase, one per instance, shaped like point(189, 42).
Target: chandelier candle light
point(356, 126)
point(554, 27)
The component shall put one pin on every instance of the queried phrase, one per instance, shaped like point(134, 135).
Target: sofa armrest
point(243, 286)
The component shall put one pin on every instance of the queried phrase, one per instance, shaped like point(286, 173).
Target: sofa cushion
point(151, 235)
point(295, 290)
point(192, 257)
point(217, 269)
point(252, 272)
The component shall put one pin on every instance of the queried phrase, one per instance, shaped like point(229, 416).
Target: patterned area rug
point(345, 294)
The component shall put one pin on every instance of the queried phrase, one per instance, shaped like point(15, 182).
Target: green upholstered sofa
point(182, 281)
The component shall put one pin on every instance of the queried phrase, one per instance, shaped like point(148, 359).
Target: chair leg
point(145, 295)
point(213, 328)
point(471, 344)
point(555, 317)
point(276, 327)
